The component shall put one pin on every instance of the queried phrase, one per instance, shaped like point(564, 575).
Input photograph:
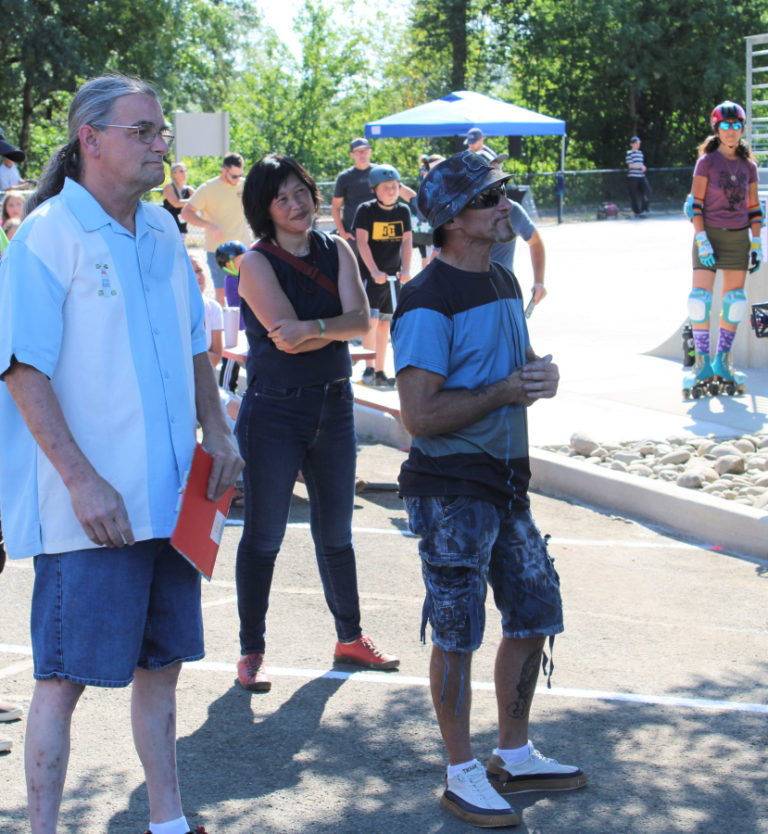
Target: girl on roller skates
point(726, 222)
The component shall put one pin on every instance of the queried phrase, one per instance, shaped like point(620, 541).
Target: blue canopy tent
point(456, 113)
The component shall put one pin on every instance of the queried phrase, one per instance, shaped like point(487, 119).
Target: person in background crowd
point(176, 194)
point(384, 245)
point(13, 206)
point(639, 190)
point(352, 189)
point(217, 207)
point(423, 167)
point(9, 173)
point(10, 226)
point(213, 319)
point(475, 142)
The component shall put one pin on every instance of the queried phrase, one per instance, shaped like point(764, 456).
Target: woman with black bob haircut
point(302, 299)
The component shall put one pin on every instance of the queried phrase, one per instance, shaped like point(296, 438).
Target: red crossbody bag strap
point(312, 272)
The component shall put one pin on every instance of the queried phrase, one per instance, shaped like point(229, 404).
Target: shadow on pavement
point(356, 770)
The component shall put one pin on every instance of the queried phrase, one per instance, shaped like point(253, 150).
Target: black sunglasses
point(488, 198)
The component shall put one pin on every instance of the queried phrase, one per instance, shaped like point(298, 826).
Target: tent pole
point(562, 174)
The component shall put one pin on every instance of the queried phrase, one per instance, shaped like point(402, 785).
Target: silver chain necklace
point(729, 168)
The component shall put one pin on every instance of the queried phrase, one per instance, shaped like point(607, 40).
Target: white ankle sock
point(179, 826)
point(514, 755)
point(452, 770)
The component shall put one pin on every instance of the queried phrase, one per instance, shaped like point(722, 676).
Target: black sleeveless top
point(276, 368)
point(185, 195)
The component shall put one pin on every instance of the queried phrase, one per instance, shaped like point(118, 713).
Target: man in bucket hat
point(466, 374)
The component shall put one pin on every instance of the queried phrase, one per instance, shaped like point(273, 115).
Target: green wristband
point(322, 326)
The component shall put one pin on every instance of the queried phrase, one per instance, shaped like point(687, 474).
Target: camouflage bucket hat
point(449, 186)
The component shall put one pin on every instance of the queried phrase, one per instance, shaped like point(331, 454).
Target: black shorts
point(380, 297)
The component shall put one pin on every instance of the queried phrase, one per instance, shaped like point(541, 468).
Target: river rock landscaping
point(736, 470)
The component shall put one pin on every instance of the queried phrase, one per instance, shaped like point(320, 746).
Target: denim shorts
point(98, 614)
point(467, 543)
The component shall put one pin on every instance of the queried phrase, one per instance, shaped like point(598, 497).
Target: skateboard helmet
point(382, 173)
point(727, 110)
point(449, 186)
point(227, 251)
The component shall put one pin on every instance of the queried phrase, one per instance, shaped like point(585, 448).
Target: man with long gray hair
point(106, 373)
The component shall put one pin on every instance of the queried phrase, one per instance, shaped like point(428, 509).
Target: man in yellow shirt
point(217, 207)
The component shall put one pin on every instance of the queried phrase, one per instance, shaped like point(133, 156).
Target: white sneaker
point(536, 773)
point(471, 798)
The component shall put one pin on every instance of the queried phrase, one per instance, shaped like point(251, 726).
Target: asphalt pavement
point(659, 693)
point(659, 690)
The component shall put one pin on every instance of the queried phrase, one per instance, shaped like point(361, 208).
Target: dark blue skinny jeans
point(282, 431)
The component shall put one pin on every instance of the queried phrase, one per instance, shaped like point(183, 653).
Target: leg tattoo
point(520, 707)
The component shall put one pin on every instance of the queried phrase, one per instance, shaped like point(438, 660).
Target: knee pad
point(699, 305)
point(734, 306)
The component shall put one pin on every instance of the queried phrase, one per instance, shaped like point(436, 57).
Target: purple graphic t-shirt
point(725, 204)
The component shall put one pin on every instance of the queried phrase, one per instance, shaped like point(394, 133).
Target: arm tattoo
point(520, 707)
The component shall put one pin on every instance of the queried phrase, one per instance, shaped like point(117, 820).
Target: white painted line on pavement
point(223, 601)
point(614, 543)
point(601, 615)
point(305, 592)
point(620, 544)
point(396, 679)
point(11, 648)
point(15, 668)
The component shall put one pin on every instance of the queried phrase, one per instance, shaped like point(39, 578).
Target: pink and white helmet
point(727, 111)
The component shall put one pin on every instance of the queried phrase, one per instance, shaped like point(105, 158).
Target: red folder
point(200, 522)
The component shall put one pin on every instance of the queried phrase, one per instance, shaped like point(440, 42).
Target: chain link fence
point(585, 192)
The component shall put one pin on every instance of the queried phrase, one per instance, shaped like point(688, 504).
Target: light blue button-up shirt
point(113, 319)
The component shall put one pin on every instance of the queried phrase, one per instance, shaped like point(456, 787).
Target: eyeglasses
point(730, 125)
point(487, 199)
point(234, 176)
point(146, 132)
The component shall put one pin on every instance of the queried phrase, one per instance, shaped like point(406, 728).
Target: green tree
point(612, 68)
point(311, 106)
point(186, 48)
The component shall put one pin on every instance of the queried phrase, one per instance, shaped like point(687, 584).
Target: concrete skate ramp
point(748, 351)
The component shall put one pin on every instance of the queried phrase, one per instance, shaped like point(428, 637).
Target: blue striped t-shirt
point(470, 328)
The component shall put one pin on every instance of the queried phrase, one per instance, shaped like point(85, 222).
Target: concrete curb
point(716, 523)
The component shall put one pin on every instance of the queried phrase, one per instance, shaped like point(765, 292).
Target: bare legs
point(445, 684)
point(516, 673)
point(153, 715)
point(46, 750)
point(377, 339)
